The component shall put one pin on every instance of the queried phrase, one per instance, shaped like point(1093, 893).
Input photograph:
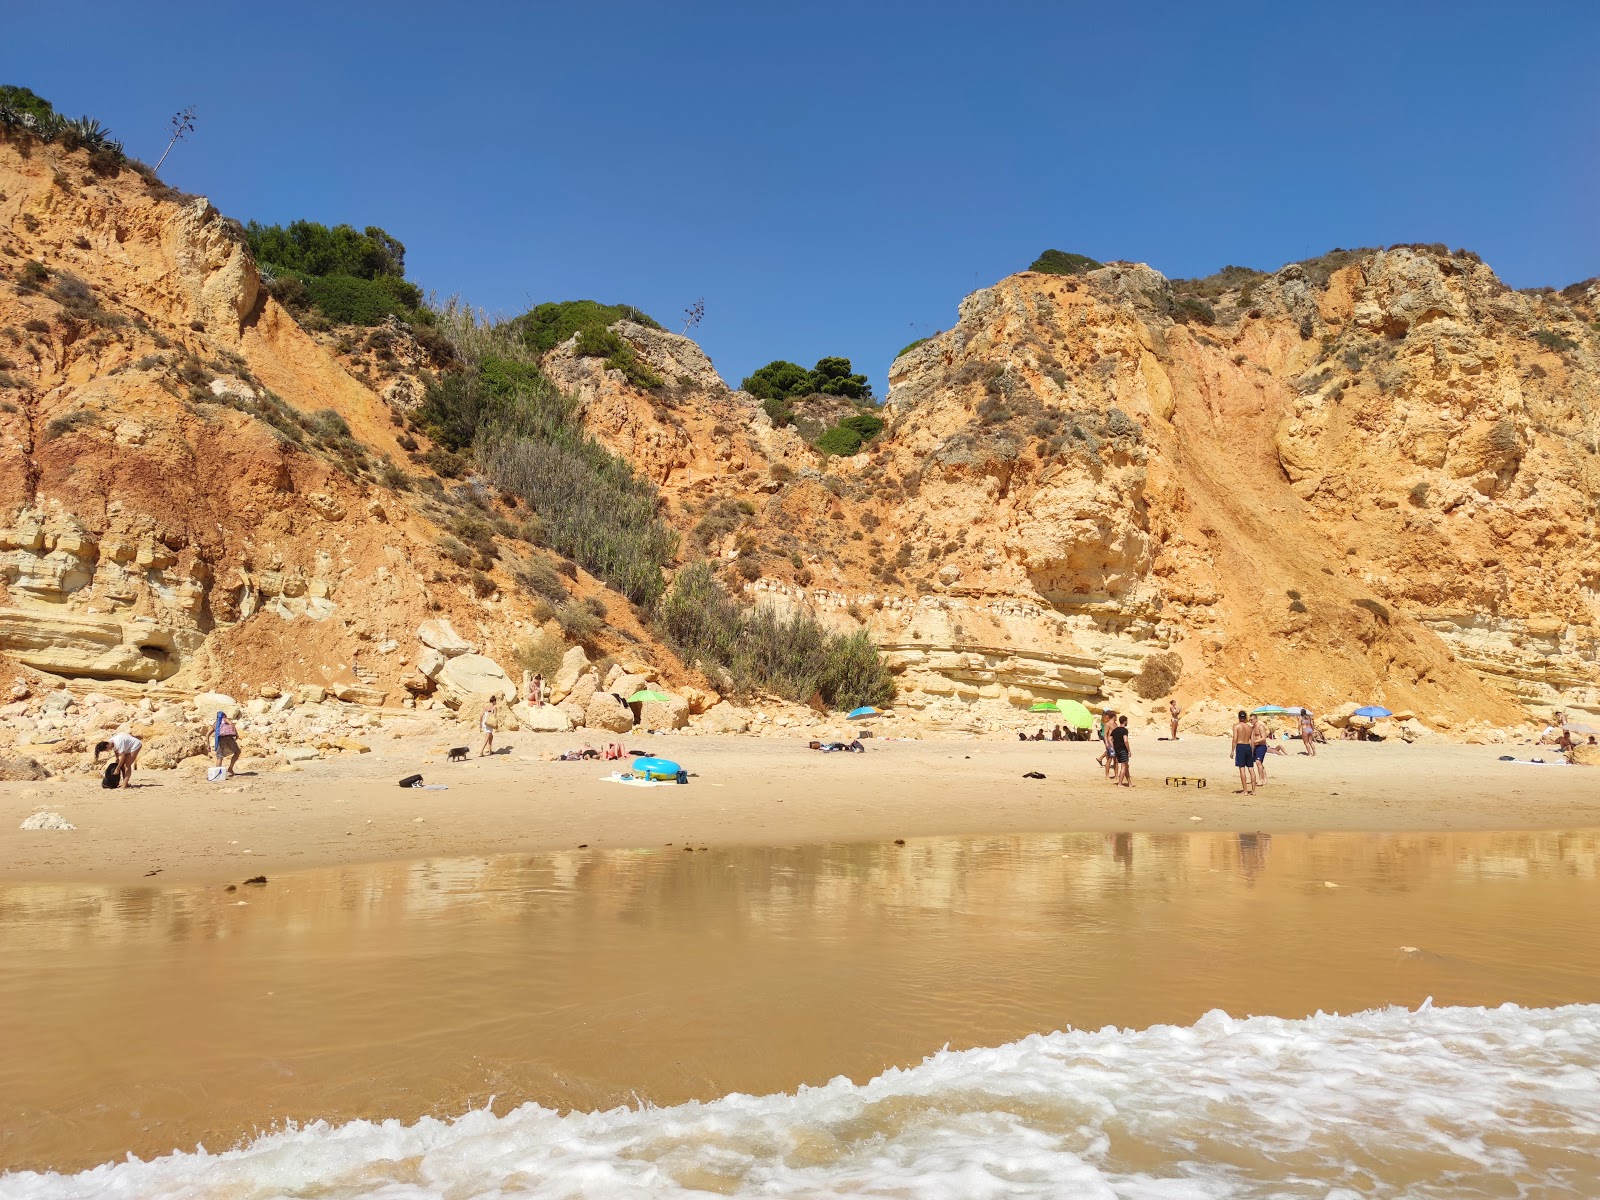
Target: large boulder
point(542, 718)
point(1340, 717)
point(664, 714)
point(438, 635)
point(166, 750)
point(585, 689)
point(429, 664)
point(209, 704)
point(472, 676)
point(21, 770)
point(574, 666)
point(724, 718)
point(606, 712)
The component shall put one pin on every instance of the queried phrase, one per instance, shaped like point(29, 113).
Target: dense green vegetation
point(546, 326)
point(1060, 262)
point(780, 380)
point(761, 650)
point(850, 434)
point(527, 440)
point(350, 276)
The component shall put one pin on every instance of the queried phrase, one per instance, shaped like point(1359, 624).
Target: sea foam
point(1439, 1102)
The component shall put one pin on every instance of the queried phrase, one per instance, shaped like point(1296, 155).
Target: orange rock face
point(1370, 477)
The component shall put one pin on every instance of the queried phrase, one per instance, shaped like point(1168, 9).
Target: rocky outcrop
point(86, 647)
point(466, 677)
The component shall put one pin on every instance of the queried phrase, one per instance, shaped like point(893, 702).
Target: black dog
point(457, 754)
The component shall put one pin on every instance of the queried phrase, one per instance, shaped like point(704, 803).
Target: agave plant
point(87, 132)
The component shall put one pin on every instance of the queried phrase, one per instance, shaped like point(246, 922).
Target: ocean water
point(1435, 1102)
point(1414, 1016)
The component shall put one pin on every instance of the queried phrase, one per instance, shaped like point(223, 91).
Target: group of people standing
point(1252, 742)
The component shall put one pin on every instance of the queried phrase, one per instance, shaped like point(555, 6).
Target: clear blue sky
point(834, 177)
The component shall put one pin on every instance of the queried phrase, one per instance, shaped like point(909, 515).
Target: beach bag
point(683, 777)
point(411, 781)
point(216, 774)
point(112, 776)
point(226, 728)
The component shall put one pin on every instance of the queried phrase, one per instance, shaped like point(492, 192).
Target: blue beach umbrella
point(866, 710)
point(1268, 710)
point(1372, 712)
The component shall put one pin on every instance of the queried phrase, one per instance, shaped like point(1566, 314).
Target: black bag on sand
point(411, 781)
point(112, 777)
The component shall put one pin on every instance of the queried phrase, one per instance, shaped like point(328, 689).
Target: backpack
point(112, 777)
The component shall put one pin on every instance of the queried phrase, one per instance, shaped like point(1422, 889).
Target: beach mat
point(630, 781)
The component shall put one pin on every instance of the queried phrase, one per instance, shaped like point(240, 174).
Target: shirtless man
point(1173, 710)
point(1109, 758)
point(1122, 751)
point(1258, 747)
point(1244, 755)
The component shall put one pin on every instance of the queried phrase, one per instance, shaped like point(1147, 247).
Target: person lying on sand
point(582, 755)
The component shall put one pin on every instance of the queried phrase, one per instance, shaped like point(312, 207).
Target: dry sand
point(751, 792)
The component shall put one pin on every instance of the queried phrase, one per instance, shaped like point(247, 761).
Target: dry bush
point(1157, 676)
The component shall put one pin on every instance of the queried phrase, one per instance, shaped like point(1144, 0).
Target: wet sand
point(751, 792)
point(147, 1018)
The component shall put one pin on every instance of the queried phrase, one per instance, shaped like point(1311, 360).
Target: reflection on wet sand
point(142, 1019)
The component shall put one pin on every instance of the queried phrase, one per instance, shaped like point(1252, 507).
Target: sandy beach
point(175, 827)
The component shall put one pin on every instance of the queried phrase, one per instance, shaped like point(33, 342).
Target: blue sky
point(834, 177)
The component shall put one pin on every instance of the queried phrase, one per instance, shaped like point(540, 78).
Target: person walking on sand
point(486, 723)
point(1108, 759)
point(1122, 751)
point(125, 748)
point(225, 741)
point(1308, 731)
point(1258, 747)
point(1173, 710)
point(1244, 755)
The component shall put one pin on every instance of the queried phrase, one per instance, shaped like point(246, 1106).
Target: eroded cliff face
point(194, 491)
point(1370, 476)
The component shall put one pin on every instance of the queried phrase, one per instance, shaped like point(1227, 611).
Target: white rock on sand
point(47, 820)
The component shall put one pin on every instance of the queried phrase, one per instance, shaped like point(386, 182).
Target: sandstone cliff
point(1368, 477)
point(194, 491)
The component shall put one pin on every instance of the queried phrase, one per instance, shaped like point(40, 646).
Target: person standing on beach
point(225, 741)
point(1122, 751)
point(1308, 731)
point(1258, 747)
point(1173, 710)
point(1108, 759)
point(1244, 755)
point(486, 723)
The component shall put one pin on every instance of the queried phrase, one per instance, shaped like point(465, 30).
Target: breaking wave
point(1439, 1102)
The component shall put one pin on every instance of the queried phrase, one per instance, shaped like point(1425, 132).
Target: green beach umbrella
point(1268, 710)
point(1076, 715)
point(648, 697)
point(1049, 706)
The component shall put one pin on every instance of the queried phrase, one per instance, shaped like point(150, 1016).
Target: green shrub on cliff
point(781, 380)
point(762, 650)
point(546, 326)
point(1060, 262)
point(350, 276)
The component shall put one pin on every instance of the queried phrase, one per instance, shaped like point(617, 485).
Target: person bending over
point(125, 748)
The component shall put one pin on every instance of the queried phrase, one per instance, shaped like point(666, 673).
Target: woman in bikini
point(1308, 731)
